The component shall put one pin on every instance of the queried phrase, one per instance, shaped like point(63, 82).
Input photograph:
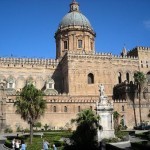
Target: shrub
point(121, 134)
point(8, 130)
point(19, 129)
point(8, 144)
point(26, 130)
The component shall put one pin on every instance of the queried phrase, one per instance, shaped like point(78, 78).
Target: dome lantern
point(74, 6)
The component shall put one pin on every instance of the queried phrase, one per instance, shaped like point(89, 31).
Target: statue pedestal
point(105, 110)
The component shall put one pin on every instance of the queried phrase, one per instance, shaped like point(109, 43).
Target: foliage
point(116, 116)
point(19, 129)
point(46, 126)
point(51, 137)
point(8, 144)
point(37, 125)
point(26, 130)
point(110, 140)
point(85, 136)
point(121, 134)
point(30, 105)
point(8, 130)
point(140, 79)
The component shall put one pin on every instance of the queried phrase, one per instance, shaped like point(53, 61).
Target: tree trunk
point(134, 113)
point(31, 132)
point(140, 94)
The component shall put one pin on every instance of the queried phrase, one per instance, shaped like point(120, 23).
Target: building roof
point(75, 18)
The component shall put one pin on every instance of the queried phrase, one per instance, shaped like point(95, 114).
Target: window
point(50, 85)
point(127, 77)
point(90, 78)
point(90, 107)
point(147, 64)
point(65, 109)
point(122, 108)
point(54, 109)
point(79, 108)
point(141, 64)
point(65, 45)
point(79, 43)
point(10, 85)
point(119, 78)
point(91, 45)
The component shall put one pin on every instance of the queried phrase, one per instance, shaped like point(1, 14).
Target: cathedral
point(71, 81)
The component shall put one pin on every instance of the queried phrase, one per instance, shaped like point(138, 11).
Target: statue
point(101, 90)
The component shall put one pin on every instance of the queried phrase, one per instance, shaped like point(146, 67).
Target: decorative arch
point(30, 80)
point(10, 82)
point(65, 109)
point(54, 109)
point(148, 77)
point(79, 108)
point(119, 77)
point(128, 77)
point(39, 82)
point(20, 82)
point(90, 78)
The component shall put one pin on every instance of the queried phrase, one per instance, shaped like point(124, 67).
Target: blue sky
point(27, 27)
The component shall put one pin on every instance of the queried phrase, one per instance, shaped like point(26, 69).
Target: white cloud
point(147, 24)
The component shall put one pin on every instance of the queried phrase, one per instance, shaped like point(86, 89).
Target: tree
point(132, 97)
point(85, 136)
point(30, 105)
point(37, 125)
point(116, 116)
point(139, 78)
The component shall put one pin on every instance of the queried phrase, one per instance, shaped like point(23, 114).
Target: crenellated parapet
point(124, 57)
point(134, 51)
point(143, 48)
point(28, 61)
point(100, 55)
point(62, 98)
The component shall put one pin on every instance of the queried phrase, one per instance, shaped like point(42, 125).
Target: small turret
point(124, 52)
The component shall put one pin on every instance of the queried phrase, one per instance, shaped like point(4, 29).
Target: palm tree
point(85, 136)
point(30, 105)
point(139, 78)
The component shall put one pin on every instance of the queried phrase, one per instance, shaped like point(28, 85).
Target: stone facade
point(71, 80)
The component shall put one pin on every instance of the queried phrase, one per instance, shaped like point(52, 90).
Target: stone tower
point(74, 33)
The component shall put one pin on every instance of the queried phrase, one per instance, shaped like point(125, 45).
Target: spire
point(74, 6)
point(124, 51)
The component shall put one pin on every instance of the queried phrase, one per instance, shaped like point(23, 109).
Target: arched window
point(91, 107)
point(65, 109)
point(122, 108)
point(90, 78)
point(148, 77)
point(79, 108)
point(91, 45)
point(127, 77)
point(141, 64)
point(54, 109)
point(79, 43)
point(10, 83)
point(119, 77)
point(147, 64)
point(65, 45)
